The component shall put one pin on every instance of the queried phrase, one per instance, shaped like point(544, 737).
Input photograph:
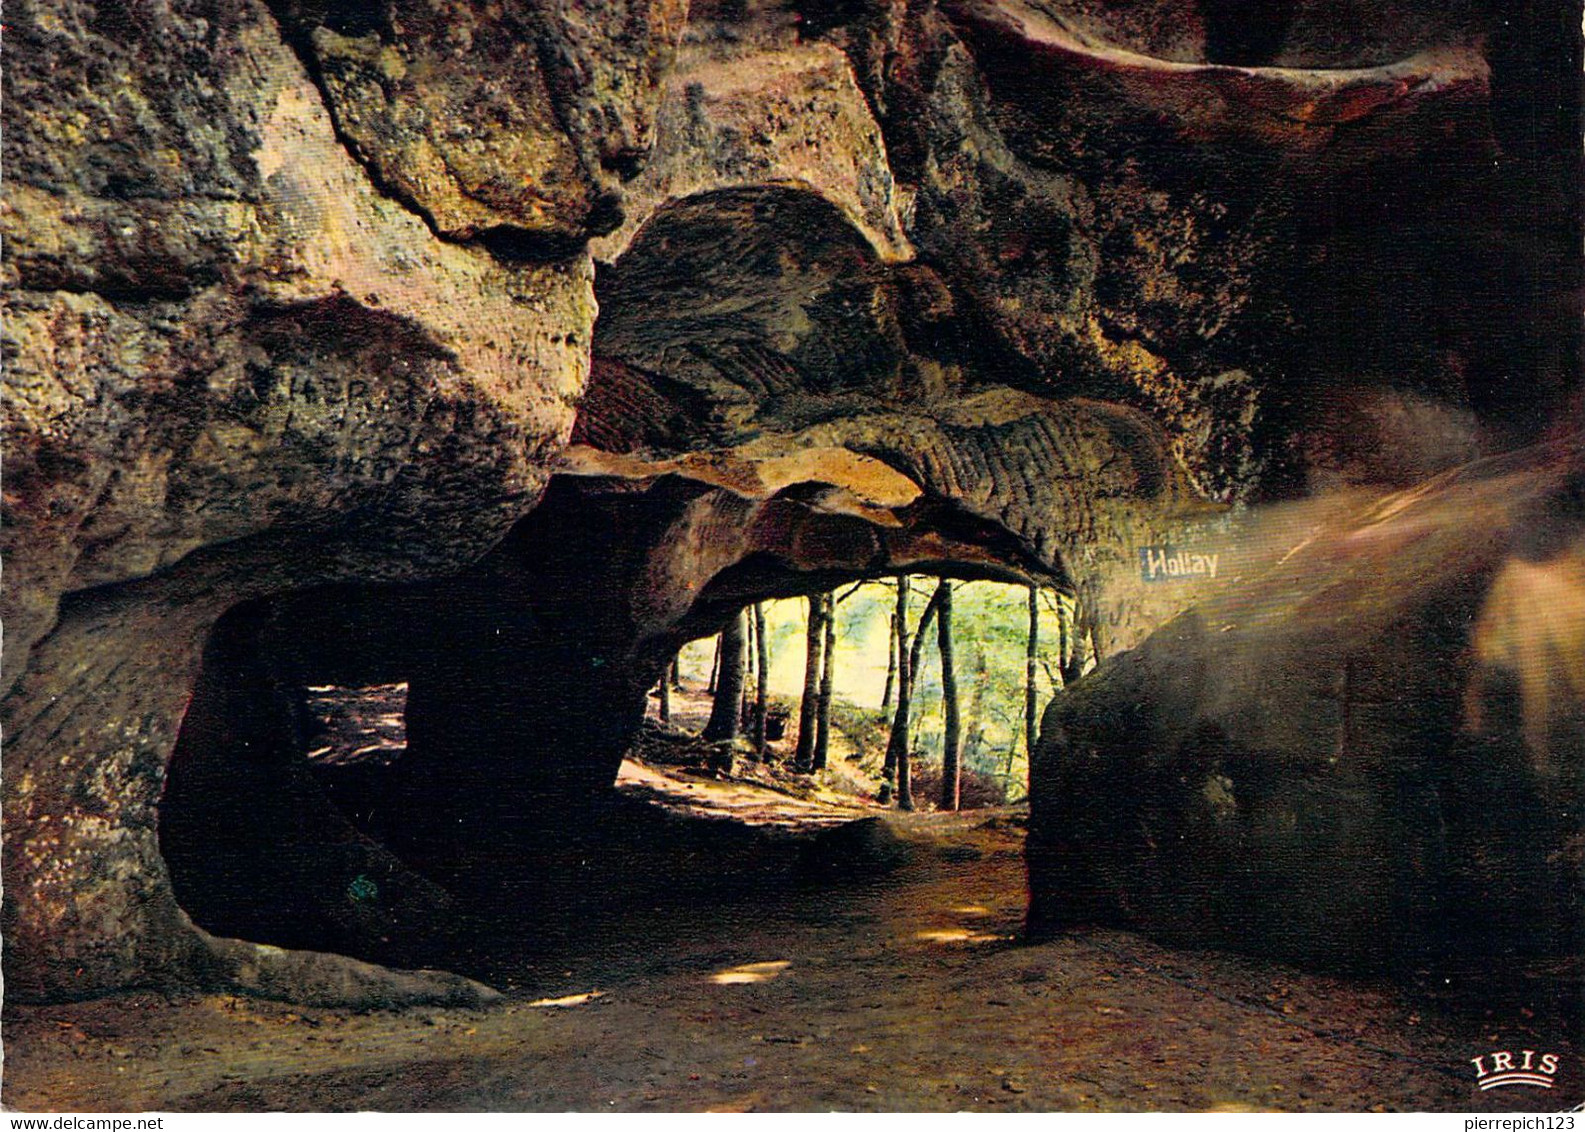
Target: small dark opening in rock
point(252, 827)
point(355, 726)
point(1245, 33)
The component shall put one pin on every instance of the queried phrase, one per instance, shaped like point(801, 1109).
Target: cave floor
point(902, 992)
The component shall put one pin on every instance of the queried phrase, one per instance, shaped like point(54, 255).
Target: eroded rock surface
point(1367, 754)
point(302, 328)
point(233, 368)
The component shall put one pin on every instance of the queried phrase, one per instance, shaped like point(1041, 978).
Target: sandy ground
point(904, 990)
point(908, 992)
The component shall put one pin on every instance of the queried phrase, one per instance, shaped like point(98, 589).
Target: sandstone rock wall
point(1367, 754)
point(302, 310)
point(233, 368)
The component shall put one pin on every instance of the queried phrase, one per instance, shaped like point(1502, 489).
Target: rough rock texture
point(502, 120)
point(302, 323)
point(1141, 239)
point(1282, 33)
point(233, 368)
point(241, 314)
point(793, 116)
point(1368, 754)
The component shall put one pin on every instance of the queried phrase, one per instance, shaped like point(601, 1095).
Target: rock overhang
point(344, 342)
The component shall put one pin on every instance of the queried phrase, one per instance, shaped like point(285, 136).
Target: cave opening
point(839, 653)
point(266, 819)
point(309, 805)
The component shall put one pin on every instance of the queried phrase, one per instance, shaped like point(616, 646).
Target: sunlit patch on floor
point(1235, 1106)
point(971, 910)
point(569, 999)
point(751, 972)
point(956, 935)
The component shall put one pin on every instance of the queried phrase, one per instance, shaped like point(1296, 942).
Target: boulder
point(1367, 755)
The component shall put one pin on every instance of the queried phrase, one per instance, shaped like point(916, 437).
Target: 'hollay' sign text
point(1170, 564)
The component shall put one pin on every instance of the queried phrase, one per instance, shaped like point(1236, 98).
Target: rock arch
point(303, 342)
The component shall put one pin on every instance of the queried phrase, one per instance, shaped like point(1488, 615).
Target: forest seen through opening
point(977, 663)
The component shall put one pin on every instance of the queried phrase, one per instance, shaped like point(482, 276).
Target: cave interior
point(499, 353)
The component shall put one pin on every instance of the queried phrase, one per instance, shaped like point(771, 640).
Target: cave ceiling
point(665, 307)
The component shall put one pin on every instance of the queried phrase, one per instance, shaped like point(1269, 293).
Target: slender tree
point(715, 667)
point(762, 692)
point(976, 713)
point(951, 769)
point(729, 684)
point(1064, 639)
point(899, 660)
point(906, 673)
point(891, 665)
point(750, 667)
point(676, 674)
point(975, 742)
point(809, 706)
point(665, 695)
point(1031, 665)
point(1076, 642)
point(827, 679)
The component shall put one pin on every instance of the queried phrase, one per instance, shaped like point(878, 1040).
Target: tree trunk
point(762, 691)
point(1064, 639)
point(809, 706)
point(1031, 663)
point(976, 739)
point(900, 639)
point(715, 667)
point(891, 666)
point(729, 684)
point(827, 678)
point(951, 769)
point(905, 781)
point(665, 694)
point(1075, 644)
point(897, 745)
point(750, 680)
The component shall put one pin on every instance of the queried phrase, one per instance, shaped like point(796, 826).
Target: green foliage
point(990, 624)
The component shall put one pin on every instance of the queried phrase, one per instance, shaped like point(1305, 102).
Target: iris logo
point(1507, 1068)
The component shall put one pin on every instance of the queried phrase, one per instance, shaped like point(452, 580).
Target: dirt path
point(904, 992)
